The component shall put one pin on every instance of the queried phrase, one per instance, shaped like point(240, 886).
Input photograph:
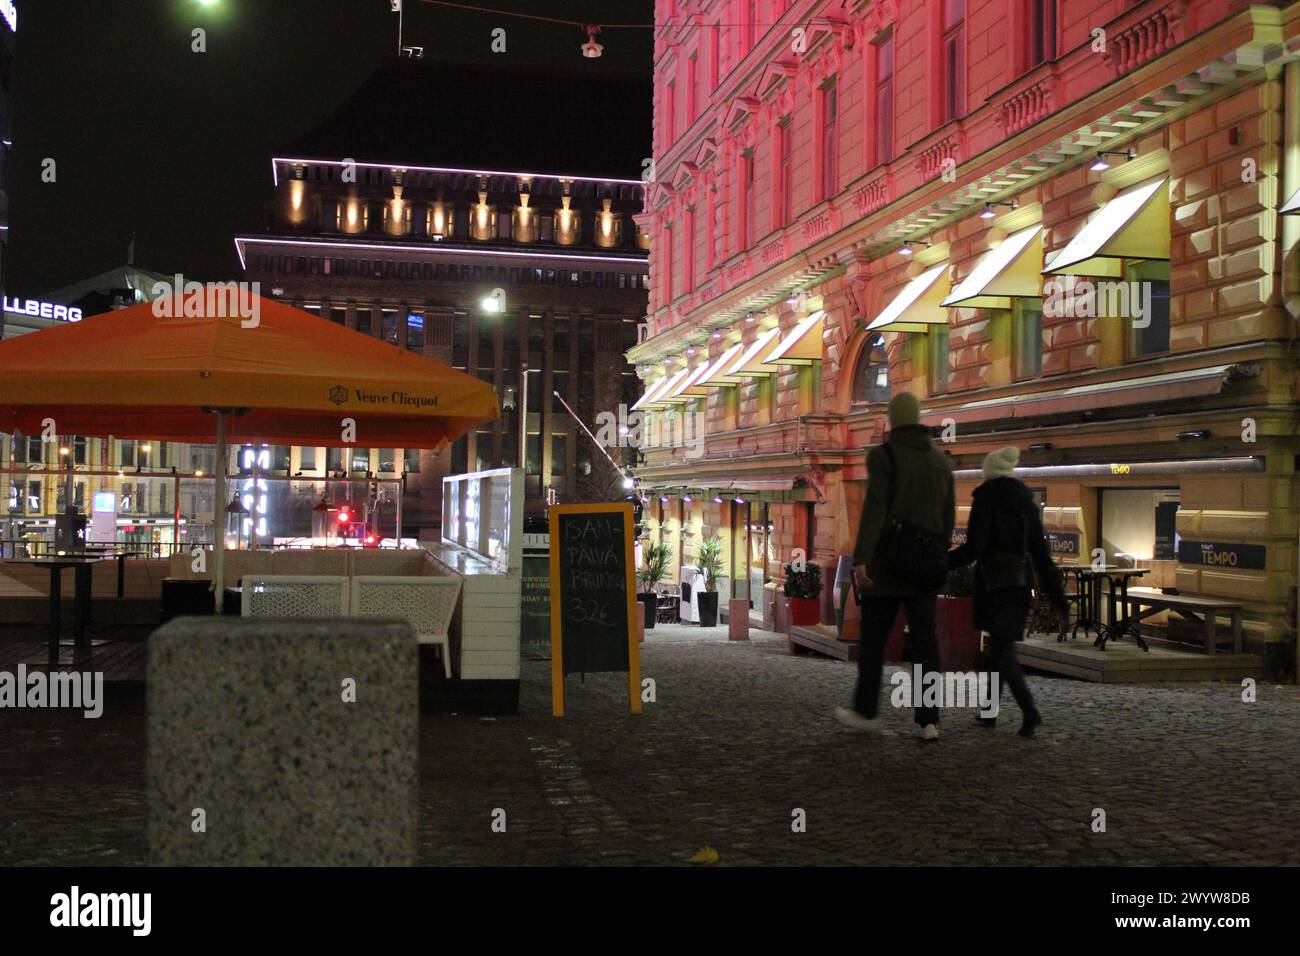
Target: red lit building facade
point(956, 199)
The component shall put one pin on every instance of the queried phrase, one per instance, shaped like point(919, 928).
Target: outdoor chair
point(293, 595)
point(426, 603)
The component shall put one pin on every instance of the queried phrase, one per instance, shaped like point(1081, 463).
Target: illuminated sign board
point(41, 310)
point(10, 13)
point(1219, 555)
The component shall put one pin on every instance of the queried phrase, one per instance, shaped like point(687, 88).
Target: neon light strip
point(430, 248)
point(451, 169)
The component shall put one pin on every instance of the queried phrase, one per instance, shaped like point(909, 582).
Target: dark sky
point(174, 146)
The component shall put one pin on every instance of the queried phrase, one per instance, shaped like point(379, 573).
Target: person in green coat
point(909, 471)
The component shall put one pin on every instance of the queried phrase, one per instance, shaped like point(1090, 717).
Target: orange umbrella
point(275, 375)
point(295, 376)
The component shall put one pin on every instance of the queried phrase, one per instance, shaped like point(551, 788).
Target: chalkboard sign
point(593, 596)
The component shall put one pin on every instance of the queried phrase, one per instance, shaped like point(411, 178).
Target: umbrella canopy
point(291, 379)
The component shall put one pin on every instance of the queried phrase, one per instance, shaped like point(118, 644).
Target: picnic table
point(1148, 601)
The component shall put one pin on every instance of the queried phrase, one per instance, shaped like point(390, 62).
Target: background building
point(888, 189)
point(483, 218)
point(8, 38)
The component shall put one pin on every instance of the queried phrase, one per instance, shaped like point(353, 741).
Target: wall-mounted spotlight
point(1040, 446)
point(906, 248)
point(1199, 435)
point(988, 213)
point(1101, 165)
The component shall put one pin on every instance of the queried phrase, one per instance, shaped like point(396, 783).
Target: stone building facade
point(1063, 226)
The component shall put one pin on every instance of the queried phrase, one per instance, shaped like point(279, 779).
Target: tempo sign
point(10, 13)
point(42, 310)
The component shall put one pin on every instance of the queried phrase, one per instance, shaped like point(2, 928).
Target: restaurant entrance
point(1137, 527)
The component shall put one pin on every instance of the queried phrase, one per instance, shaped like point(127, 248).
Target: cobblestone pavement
point(739, 738)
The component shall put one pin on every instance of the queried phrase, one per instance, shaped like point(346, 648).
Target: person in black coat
point(1004, 537)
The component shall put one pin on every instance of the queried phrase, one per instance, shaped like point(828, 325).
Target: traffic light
point(345, 516)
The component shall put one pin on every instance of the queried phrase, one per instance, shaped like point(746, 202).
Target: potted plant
point(804, 589)
point(708, 558)
point(654, 566)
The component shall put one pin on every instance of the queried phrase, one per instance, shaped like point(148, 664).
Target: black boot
point(1032, 720)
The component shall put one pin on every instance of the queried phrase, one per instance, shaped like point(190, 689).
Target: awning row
point(802, 345)
point(1133, 225)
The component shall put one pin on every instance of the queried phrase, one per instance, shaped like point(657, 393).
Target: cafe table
point(1116, 580)
point(81, 565)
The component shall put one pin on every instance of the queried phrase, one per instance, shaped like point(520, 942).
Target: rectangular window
point(559, 459)
point(533, 454)
point(692, 88)
point(953, 58)
point(307, 458)
point(1040, 32)
point(715, 55)
point(415, 331)
point(333, 459)
point(390, 326)
point(127, 452)
point(483, 454)
point(1148, 294)
point(830, 182)
point(560, 385)
point(670, 97)
point(937, 341)
point(388, 460)
point(363, 321)
point(885, 99)
point(79, 450)
point(688, 263)
point(339, 316)
point(360, 459)
point(748, 198)
point(411, 460)
point(1027, 332)
point(785, 174)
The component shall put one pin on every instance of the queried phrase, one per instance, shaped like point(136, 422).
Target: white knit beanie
point(1001, 463)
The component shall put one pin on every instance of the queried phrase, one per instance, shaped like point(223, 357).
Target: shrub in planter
point(708, 558)
point(654, 566)
point(804, 589)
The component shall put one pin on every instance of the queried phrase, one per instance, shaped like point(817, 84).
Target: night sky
point(174, 146)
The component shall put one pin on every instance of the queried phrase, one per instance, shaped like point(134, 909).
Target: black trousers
point(878, 614)
point(1005, 613)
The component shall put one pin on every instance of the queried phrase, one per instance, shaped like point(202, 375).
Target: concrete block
point(248, 721)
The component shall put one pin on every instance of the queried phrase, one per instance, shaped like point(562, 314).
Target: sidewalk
point(739, 738)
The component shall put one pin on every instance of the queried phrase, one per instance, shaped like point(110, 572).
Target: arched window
point(871, 376)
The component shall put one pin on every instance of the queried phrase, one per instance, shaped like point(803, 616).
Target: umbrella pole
point(218, 514)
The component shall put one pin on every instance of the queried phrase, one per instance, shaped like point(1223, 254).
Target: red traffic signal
point(344, 516)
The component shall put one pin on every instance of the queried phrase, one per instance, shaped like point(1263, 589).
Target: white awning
point(1292, 206)
point(1133, 225)
point(700, 387)
point(651, 399)
point(653, 389)
point(750, 363)
point(677, 394)
point(803, 345)
point(919, 306)
point(1013, 269)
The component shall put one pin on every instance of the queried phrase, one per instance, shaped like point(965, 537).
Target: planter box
point(959, 639)
point(805, 611)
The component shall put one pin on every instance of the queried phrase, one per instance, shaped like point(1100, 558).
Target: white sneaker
point(851, 718)
point(930, 732)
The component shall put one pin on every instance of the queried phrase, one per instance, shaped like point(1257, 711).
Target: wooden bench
point(1148, 601)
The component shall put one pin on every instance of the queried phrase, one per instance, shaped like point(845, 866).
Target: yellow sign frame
point(557, 596)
